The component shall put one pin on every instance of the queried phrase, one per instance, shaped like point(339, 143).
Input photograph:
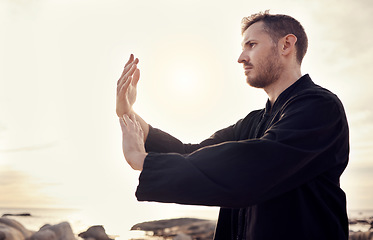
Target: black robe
point(275, 173)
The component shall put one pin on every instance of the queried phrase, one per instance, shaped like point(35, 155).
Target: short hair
point(278, 26)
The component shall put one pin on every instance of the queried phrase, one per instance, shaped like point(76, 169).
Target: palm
point(126, 87)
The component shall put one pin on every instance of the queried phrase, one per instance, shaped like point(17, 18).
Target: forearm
point(161, 142)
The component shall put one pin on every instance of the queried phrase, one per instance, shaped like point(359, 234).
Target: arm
point(162, 142)
point(159, 141)
point(309, 139)
point(127, 92)
point(134, 129)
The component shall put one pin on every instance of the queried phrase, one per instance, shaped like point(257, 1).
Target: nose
point(242, 58)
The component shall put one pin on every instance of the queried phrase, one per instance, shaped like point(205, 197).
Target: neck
point(286, 80)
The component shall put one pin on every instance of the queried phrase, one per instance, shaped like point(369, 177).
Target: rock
point(361, 235)
point(362, 221)
point(352, 221)
point(45, 226)
point(198, 230)
point(183, 227)
point(46, 234)
point(61, 231)
point(2, 236)
point(95, 232)
point(12, 227)
point(162, 224)
point(182, 236)
point(10, 233)
point(16, 215)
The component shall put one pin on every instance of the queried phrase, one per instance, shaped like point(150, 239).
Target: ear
point(287, 44)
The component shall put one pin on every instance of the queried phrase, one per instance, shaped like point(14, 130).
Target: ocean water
point(80, 221)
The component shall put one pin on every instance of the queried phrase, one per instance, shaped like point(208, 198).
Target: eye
point(249, 44)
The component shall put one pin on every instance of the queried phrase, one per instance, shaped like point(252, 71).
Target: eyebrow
point(247, 42)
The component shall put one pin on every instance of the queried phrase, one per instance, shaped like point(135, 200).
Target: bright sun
point(183, 80)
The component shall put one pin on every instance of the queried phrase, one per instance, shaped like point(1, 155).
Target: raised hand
point(126, 87)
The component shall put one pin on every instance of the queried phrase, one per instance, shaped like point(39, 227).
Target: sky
point(60, 139)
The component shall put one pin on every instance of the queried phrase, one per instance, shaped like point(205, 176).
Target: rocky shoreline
point(200, 229)
point(178, 229)
point(367, 223)
point(170, 229)
point(11, 229)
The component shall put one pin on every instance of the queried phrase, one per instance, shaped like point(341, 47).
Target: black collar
point(299, 85)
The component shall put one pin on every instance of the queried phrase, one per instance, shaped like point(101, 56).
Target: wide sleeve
point(161, 142)
point(309, 138)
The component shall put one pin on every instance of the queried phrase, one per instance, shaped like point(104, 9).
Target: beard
point(268, 70)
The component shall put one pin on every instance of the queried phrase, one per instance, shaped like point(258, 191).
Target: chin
point(250, 81)
point(253, 83)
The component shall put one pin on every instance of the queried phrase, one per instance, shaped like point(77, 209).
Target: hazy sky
point(60, 141)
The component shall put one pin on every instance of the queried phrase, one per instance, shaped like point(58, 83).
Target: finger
point(136, 77)
point(125, 69)
point(125, 86)
point(139, 126)
point(122, 87)
point(129, 60)
point(133, 117)
point(129, 65)
point(127, 120)
point(126, 74)
point(122, 123)
point(131, 70)
point(134, 120)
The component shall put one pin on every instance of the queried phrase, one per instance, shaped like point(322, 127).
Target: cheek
point(254, 57)
point(256, 52)
point(260, 56)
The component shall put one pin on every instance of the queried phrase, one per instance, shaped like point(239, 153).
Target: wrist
point(131, 111)
point(120, 112)
point(136, 160)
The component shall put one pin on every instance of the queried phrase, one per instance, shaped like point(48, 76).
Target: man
point(275, 173)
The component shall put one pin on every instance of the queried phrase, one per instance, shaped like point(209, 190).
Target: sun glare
point(183, 80)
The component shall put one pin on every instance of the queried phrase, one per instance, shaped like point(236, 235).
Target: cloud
point(19, 189)
point(357, 184)
point(341, 42)
point(361, 128)
point(28, 148)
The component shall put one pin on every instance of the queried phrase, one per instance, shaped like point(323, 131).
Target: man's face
point(260, 57)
